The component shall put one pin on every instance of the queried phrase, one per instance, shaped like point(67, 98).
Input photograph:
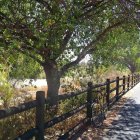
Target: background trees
point(59, 34)
point(120, 48)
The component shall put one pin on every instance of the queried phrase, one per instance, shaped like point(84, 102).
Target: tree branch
point(30, 55)
point(136, 4)
point(65, 42)
point(96, 5)
point(46, 4)
point(4, 16)
point(6, 44)
point(66, 39)
point(91, 47)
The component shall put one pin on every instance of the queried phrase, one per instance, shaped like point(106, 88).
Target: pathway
point(125, 125)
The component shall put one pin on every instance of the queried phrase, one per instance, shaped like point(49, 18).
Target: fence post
point(132, 81)
point(117, 88)
point(137, 79)
point(107, 93)
point(40, 98)
point(123, 84)
point(89, 101)
point(128, 83)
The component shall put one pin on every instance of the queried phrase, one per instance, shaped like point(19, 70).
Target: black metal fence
point(99, 99)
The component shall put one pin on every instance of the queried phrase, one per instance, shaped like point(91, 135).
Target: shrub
point(6, 90)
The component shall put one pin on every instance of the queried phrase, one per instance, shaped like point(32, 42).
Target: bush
point(6, 90)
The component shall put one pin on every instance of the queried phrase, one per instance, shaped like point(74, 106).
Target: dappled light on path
point(127, 127)
point(122, 122)
point(127, 124)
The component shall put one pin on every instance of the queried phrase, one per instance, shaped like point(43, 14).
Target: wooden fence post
point(117, 88)
point(128, 82)
point(89, 101)
point(40, 98)
point(132, 81)
point(137, 79)
point(107, 93)
point(123, 84)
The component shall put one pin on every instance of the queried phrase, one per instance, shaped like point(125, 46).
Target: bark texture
point(53, 81)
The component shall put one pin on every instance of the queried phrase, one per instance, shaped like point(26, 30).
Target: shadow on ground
point(122, 123)
point(127, 124)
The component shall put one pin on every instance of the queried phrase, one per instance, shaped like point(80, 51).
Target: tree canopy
point(58, 34)
point(120, 48)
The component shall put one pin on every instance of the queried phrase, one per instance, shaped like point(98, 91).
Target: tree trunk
point(133, 69)
point(53, 81)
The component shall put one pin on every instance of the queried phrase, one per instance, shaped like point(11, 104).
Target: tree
point(120, 48)
point(54, 32)
point(132, 59)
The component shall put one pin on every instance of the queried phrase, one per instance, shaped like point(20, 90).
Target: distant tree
point(58, 34)
point(120, 48)
point(130, 58)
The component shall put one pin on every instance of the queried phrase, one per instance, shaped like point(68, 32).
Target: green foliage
point(72, 103)
point(6, 91)
point(20, 66)
point(59, 34)
point(120, 48)
point(39, 28)
point(24, 67)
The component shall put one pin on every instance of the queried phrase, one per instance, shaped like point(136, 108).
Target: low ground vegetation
point(19, 123)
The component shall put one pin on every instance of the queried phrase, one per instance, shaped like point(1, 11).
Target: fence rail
point(104, 95)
